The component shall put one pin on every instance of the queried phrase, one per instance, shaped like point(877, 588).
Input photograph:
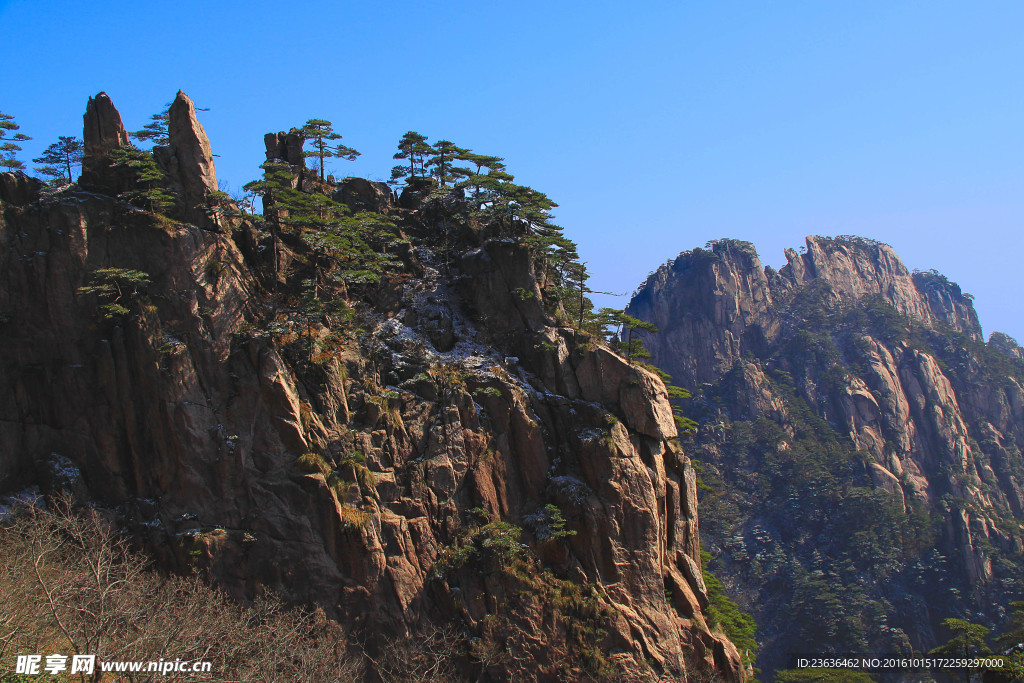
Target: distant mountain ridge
point(860, 441)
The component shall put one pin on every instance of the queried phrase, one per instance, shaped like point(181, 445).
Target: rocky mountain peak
point(714, 304)
point(103, 132)
point(841, 379)
point(710, 304)
point(853, 267)
point(193, 159)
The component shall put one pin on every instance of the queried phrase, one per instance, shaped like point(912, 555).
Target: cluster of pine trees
point(345, 248)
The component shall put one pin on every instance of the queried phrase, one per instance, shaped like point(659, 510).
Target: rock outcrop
point(103, 133)
point(438, 450)
point(286, 147)
point(360, 194)
point(189, 161)
point(855, 267)
point(844, 360)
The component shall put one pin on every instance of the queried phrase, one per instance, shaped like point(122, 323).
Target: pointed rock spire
point(192, 147)
point(103, 132)
point(194, 166)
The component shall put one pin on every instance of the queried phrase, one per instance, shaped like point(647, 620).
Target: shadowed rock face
point(103, 133)
point(459, 393)
point(894, 364)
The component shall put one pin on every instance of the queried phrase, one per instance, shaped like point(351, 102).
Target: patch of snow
point(30, 497)
point(571, 487)
point(63, 469)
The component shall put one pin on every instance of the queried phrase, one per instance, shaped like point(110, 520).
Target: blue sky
point(656, 128)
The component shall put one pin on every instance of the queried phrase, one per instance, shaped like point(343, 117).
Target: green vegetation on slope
point(820, 555)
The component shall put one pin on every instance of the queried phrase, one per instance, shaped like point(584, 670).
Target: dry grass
point(71, 584)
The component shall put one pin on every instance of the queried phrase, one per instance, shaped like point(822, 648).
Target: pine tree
point(311, 309)
point(112, 286)
point(576, 303)
point(274, 188)
point(474, 179)
point(1014, 633)
point(443, 154)
point(325, 226)
point(156, 130)
point(322, 134)
point(9, 143)
point(60, 158)
point(413, 147)
point(626, 324)
point(220, 204)
point(969, 640)
point(622, 323)
point(150, 182)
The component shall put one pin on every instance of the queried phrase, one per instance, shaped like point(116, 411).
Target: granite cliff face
point(435, 451)
point(861, 439)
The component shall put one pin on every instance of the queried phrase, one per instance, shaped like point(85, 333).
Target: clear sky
point(655, 127)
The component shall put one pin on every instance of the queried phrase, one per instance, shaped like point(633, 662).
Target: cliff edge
point(371, 444)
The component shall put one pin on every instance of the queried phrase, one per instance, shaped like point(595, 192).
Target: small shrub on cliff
point(491, 392)
point(548, 524)
point(354, 463)
point(494, 545)
point(313, 463)
point(494, 548)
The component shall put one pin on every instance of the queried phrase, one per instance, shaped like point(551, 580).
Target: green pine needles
point(9, 140)
point(113, 288)
point(321, 134)
point(60, 159)
point(156, 131)
point(149, 184)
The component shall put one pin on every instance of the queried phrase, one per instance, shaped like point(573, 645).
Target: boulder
point(360, 194)
point(635, 394)
point(18, 189)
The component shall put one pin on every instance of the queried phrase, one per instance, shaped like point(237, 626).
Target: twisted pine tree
point(149, 191)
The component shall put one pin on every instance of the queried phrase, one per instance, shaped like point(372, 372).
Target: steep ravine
point(227, 448)
point(859, 442)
